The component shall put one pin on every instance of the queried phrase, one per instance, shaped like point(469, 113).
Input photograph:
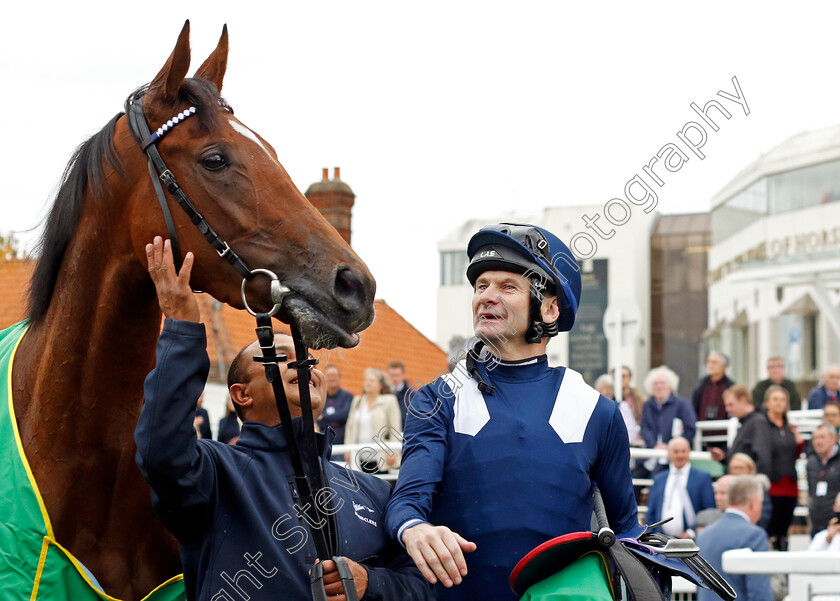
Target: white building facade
point(774, 265)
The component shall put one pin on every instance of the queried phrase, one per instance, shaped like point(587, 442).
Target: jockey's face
point(501, 307)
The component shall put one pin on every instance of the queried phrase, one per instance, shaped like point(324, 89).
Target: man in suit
point(337, 407)
point(828, 391)
point(396, 373)
point(680, 492)
point(737, 530)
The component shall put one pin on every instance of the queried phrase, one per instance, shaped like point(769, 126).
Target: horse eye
point(213, 162)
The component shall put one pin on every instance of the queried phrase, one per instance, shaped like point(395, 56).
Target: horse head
point(234, 179)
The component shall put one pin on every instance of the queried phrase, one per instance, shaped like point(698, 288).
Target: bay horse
point(94, 318)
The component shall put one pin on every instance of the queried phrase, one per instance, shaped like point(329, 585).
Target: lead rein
point(303, 482)
point(324, 537)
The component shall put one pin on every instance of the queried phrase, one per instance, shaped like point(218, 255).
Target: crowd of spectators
point(766, 448)
point(684, 501)
point(375, 415)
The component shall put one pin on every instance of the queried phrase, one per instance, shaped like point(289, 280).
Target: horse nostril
point(349, 288)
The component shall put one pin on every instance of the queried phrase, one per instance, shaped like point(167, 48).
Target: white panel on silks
point(573, 407)
point(471, 412)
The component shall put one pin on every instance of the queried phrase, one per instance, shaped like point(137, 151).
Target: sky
point(436, 112)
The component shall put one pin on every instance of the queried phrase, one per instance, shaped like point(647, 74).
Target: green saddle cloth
point(585, 579)
point(33, 566)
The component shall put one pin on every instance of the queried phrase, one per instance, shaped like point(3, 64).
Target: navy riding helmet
point(540, 256)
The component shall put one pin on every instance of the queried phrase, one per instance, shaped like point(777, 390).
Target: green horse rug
point(33, 565)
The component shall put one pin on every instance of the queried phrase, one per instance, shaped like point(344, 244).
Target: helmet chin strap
point(537, 328)
point(474, 352)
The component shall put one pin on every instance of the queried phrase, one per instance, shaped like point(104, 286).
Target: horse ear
point(165, 85)
point(213, 69)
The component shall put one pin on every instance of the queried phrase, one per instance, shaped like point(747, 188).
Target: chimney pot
point(325, 174)
point(334, 199)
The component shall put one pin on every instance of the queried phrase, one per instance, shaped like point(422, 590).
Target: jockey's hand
point(438, 552)
point(174, 294)
point(332, 581)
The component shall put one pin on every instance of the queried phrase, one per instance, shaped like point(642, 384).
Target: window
point(739, 211)
point(775, 194)
point(453, 268)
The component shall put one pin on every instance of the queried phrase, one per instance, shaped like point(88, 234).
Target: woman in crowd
point(375, 418)
point(631, 404)
point(776, 445)
point(741, 464)
point(665, 414)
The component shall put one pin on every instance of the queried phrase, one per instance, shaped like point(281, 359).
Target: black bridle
point(309, 478)
point(161, 175)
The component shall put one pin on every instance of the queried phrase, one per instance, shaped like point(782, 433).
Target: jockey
point(500, 454)
point(235, 509)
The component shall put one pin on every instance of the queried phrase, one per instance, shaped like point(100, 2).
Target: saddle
point(589, 565)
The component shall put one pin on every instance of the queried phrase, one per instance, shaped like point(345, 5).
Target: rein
point(309, 477)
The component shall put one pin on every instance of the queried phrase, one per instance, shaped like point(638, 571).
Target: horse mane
point(87, 168)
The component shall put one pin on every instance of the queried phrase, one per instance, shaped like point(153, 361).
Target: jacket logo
point(357, 507)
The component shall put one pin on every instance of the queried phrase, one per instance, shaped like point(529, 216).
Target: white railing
point(731, 427)
point(809, 572)
point(353, 451)
point(805, 421)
